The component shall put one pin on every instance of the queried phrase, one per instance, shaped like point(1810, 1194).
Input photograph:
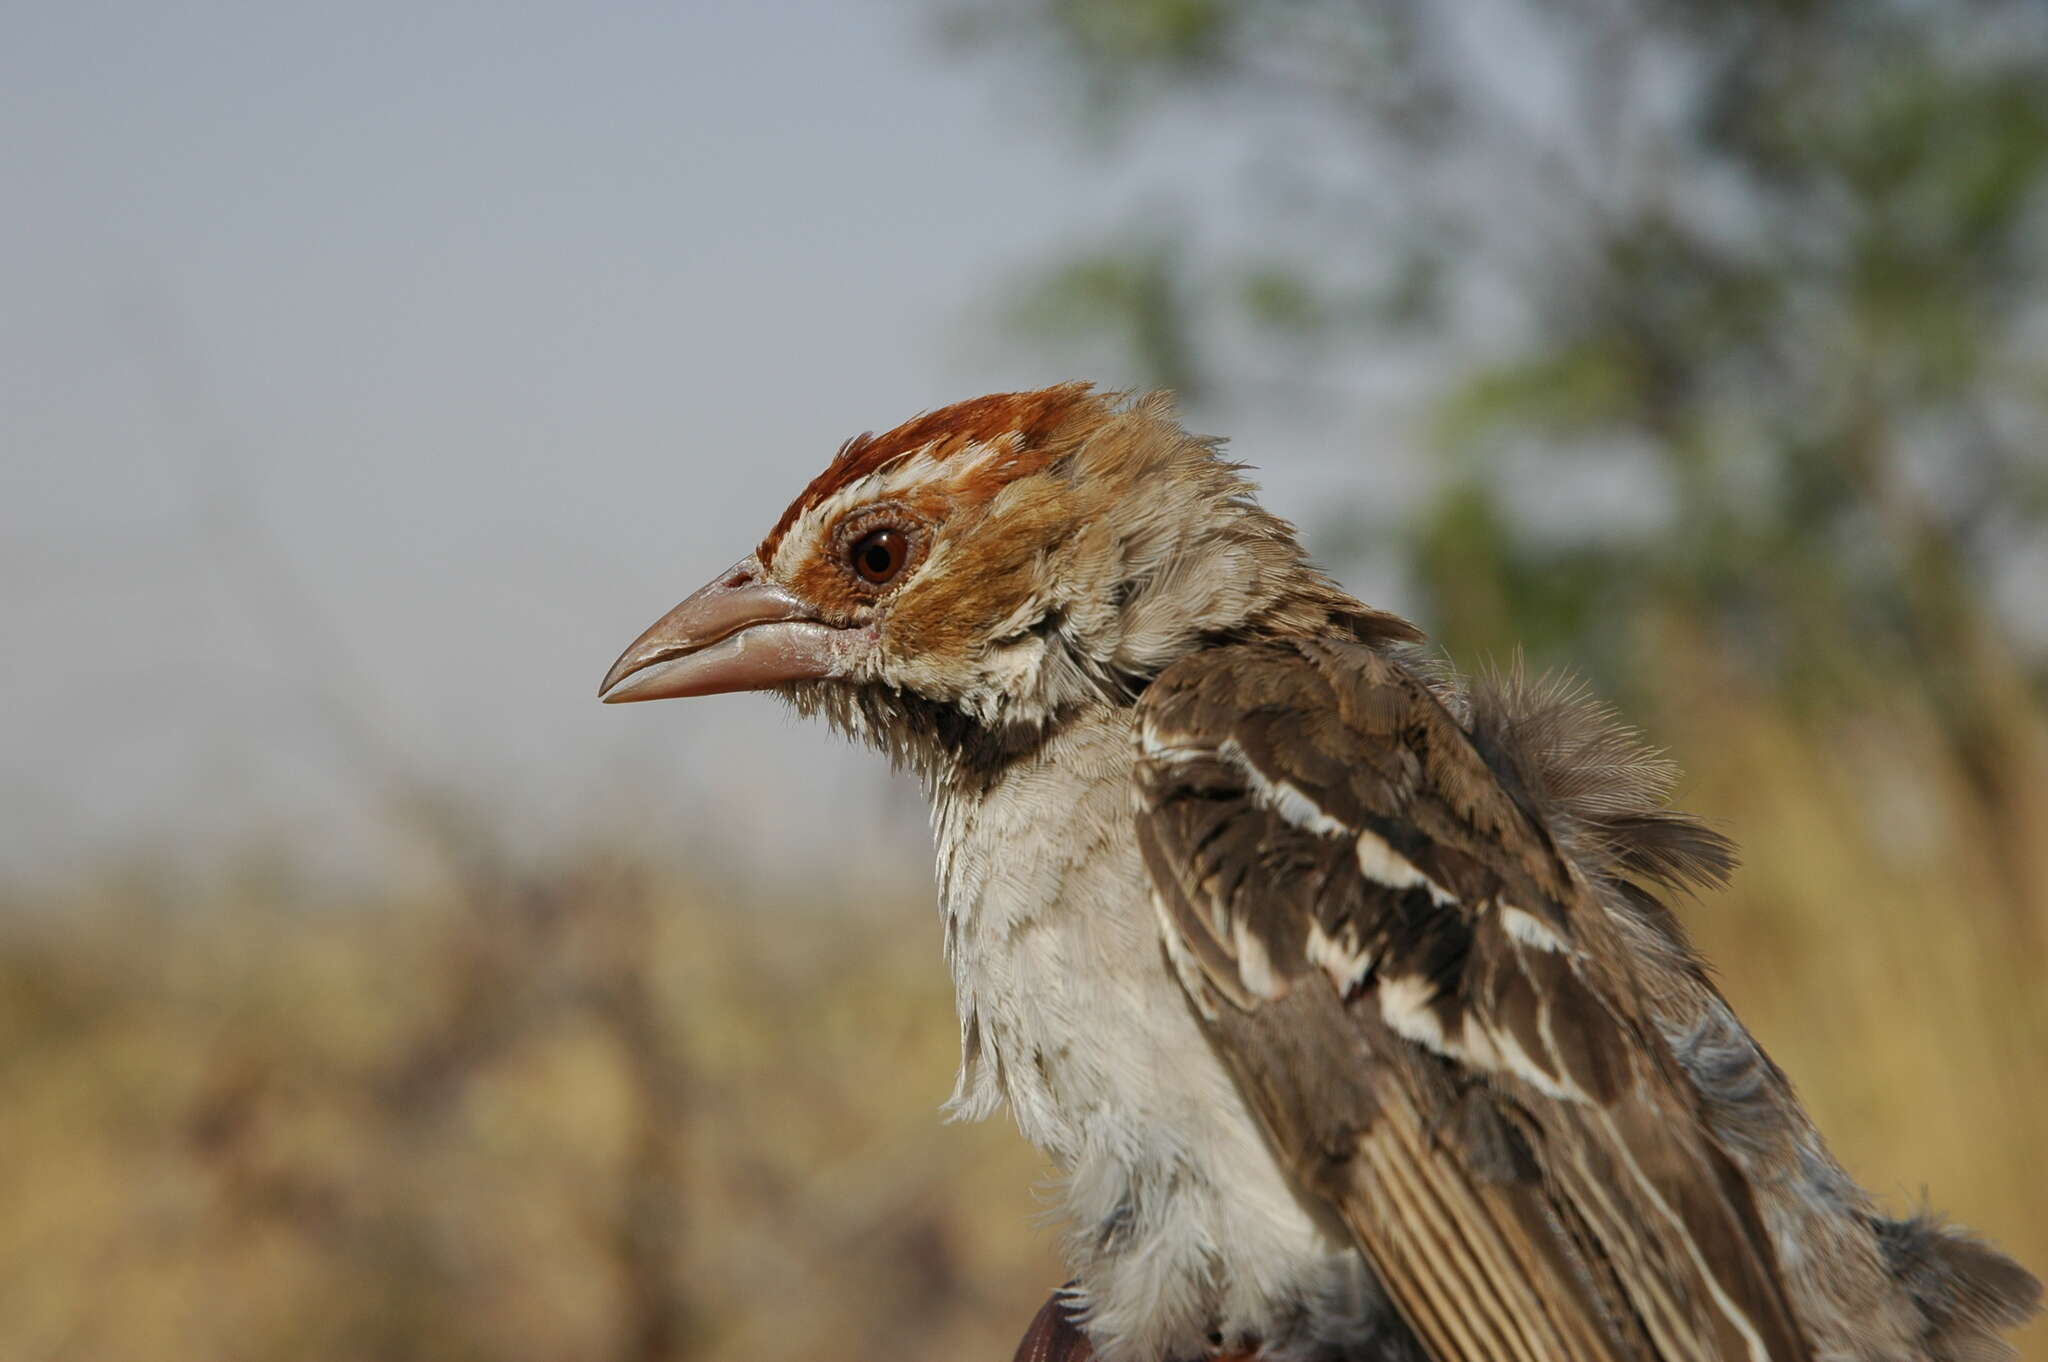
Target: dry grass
point(616, 1123)
point(590, 1116)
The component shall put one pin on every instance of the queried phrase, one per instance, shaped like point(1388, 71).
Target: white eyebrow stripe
point(888, 480)
point(900, 473)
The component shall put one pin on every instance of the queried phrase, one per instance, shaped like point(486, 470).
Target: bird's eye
point(879, 556)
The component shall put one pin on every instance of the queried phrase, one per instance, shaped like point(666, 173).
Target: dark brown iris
point(879, 556)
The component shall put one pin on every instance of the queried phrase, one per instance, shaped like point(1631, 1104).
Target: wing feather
point(1436, 1024)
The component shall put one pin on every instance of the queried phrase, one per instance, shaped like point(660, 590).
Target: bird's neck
point(970, 759)
point(1036, 870)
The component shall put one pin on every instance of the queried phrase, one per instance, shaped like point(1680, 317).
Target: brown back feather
point(1315, 792)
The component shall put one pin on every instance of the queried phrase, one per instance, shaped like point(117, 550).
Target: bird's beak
point(740, 632)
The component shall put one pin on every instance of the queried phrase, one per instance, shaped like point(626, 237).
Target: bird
point(1344, 992)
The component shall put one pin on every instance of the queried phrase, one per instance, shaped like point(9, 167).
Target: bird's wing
point(1435, 1021)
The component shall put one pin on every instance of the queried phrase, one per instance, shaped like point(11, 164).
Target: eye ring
point(878, 556)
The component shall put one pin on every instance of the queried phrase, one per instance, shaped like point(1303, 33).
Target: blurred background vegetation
point(1726, 330)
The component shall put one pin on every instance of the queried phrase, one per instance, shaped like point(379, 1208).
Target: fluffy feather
point(1453, 1084)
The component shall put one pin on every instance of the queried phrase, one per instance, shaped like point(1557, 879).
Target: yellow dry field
point(591, 1115)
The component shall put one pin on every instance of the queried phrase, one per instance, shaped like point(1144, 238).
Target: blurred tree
point(1768, 275)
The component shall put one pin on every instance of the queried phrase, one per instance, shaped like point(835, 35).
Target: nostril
point(740, 577)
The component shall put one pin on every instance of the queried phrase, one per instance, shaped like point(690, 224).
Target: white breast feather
point(1181, 1221)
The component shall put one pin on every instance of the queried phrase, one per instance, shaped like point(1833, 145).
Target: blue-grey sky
point(418, 355)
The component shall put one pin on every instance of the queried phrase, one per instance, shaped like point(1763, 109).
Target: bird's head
point(953, 589)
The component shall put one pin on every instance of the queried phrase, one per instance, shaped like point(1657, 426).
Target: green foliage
point(1788, 253)
point(1173, 32)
